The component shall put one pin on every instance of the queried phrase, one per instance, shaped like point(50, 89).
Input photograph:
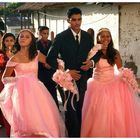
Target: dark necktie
point(77, 41)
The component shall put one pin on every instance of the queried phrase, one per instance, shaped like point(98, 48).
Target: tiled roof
point(40, 6)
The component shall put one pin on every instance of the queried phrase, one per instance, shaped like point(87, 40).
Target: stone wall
point(130, 35)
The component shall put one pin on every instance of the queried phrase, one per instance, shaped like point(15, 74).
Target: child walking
point(25, 101)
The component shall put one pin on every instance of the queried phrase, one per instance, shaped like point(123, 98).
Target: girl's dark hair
point(32, 48)
point(91, 33)
point(3, 39)
point(111, 51)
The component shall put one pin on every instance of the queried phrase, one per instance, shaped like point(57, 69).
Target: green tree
point(9, 8)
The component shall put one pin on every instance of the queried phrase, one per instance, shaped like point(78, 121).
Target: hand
point(61, 64)
point(87, 65)
point(75, 74)
point(60, 67)
point(47, 66)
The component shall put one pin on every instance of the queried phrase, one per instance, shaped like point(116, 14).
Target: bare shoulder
point(15, 58)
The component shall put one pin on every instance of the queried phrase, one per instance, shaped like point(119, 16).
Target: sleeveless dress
point(28, 105)
point(110, 108)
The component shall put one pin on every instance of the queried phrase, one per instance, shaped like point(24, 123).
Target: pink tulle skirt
point(110, 109)
point(30, 109)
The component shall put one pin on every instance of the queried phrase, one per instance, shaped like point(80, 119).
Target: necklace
point(24, 56)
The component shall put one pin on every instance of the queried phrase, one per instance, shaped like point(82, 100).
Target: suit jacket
point(44, 74)
point(73, 56)
point(43, 49)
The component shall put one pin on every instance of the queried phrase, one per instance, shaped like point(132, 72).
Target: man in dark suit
point(74, 56)
point(44, 74)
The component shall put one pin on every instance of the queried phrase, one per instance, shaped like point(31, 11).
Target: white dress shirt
point(74, 34)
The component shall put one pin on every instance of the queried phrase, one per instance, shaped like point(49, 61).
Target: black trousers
point(73, 117)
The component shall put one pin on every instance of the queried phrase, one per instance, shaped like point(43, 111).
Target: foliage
point(9, 8)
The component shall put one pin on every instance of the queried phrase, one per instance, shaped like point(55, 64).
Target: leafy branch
point(9, 8)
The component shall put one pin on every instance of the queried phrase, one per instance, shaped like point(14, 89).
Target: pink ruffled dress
point(28, 105)
point(110, 107)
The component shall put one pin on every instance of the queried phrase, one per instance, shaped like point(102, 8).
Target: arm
point(6, 77)
point(96, 57)
point(53, 52)
point(118, 60)
point(91, 63)
point(9, 67)
point(42, 59)
point(8, 72)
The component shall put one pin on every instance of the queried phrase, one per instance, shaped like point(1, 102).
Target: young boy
point(44, 74)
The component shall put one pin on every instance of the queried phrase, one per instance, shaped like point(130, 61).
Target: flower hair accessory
point(64, 79)
point(94, 50)
point(103, 30)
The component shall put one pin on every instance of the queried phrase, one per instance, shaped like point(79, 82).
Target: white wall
point(102, 16)
point(124, 24)
point(14, 29)
point(94, 16)
point(130, 33)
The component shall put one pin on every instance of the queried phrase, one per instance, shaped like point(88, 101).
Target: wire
point(64, 17)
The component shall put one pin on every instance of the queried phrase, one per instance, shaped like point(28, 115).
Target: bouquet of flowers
point(63, 78)
point(128, 76)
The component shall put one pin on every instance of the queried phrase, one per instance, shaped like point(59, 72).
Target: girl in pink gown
point(25, 101)
point(111, 108)
point(7, 51)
